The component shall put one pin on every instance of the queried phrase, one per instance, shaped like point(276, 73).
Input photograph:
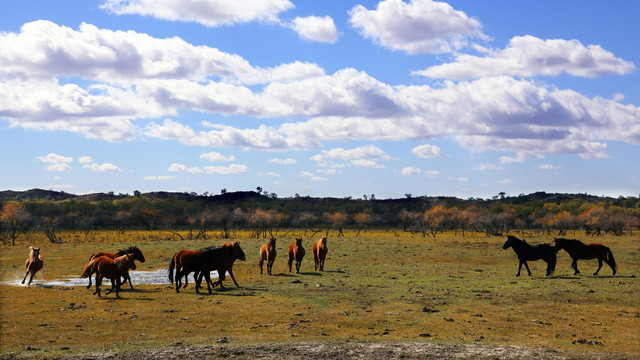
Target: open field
point(382, 294)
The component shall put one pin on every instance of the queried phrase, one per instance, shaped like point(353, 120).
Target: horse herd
point(201, 262)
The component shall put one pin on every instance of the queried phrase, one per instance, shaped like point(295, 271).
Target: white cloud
point(318, 178)
point(462, 179)
point(488, 166)
point(85, 160)
point(55, 158)
point(306, 174)
point(530, 56)
point(226, 170)
point(410, 170)
point(211, 13)
point(287, 161)
point(550, 167)
point(272, 174)
point(60, 167)
point(157, 178)
point(433, 174)
point(505, 181)
point(216, 156)
point(417, 27)
point(366, 163)
point(316, 28)
point(106, 167)
point(184, 169)
point(360, 153)
point(427, 151)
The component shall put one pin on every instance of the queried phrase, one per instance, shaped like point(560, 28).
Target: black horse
point(526, 252)
point(579, 250)
point(221, 259)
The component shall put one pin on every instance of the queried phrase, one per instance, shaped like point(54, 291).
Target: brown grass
point(377, 287)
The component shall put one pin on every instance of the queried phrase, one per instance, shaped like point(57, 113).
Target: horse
point(579, 250)
point(113, 269)
point(220, 258)
point(268, 253)
point(184, 261)
point(34, 263)
point(526, 252)
point(296, 252)
point(137, 255)
point(320, 250)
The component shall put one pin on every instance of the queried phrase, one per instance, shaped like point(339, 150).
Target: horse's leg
point(98, 282)
point(232, 278)
point(89, 286)
point(519, 268)
point(574, 265)
point(599, 266)
point(527, 266)
point(178, 280)
point(25, 276)
point(127, 277)
point(31, 278)
point(207, 276)
point(117, 285)
point(610, 265)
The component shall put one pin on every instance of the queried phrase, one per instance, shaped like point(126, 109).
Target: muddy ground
point(389, 350)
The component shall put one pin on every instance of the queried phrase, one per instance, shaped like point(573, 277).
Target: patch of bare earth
point(391, 350)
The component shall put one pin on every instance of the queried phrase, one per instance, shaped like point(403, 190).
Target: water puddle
point(155, 277)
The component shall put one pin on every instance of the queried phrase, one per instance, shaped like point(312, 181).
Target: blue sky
point(322, 98)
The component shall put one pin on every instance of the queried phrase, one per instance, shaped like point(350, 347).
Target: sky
point(331, 98)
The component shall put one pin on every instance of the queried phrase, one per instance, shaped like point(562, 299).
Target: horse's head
point(272, 242)
point(558, 244)
point(298, 241)
point(237, 251)
point(137, 254)
point(34, 251)
point(125, 261)
point(323, 240)
point(507, 242)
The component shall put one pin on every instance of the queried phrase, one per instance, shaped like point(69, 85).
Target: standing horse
point(137, 255)
point(220, 258)
point(579, 250)
point(526, 252)
point(296, 252)
point(34, 263)
point(113, 269)
point(268, 253)
point(320, 250)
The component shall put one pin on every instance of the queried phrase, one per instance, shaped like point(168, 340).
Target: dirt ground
point(387, 350)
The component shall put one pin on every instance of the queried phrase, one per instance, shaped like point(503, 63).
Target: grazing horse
point(268, 253)
point(137, 255)
point(34, 263)
point(320, 250)
point(526, 252)
point(296, 252)
point(579, 250)
point(113, 269)
point(220, 258)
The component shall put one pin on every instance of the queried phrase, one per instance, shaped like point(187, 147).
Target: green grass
point(376, 287)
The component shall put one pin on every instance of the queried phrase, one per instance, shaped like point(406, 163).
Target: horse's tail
point(612, 261)
point(172, 265)
point(88, 269)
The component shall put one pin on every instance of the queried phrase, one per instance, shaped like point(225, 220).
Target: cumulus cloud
point(505, 181)
point(227, 170)
point(55, 159)
point(287, 161)
point(529, 56)
point(106, 167)
point(316, 28)
point(549, 167)
point(364, 156)
point(59, 167)
point(433, 174)
point(184, 169)
point(157, 178)
point(487, 166)
point(216, 156)
point(410, 170)
point(85, 160)
point(416, 27)
point(427, 151)
point(210, 13)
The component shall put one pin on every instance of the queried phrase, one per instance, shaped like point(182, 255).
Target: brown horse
point(268, 253)
point(34, 263)
point(113, 269)
point(579, 250)
point(184, 261)
point(296, 252)
point(320, 250)
point(220, 258)
point(137, 255)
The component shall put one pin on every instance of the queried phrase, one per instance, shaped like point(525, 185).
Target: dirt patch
point(391, 350)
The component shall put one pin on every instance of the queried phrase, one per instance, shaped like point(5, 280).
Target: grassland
point(381, 287)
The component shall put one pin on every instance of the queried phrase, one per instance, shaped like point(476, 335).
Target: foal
point(296, 252)
point(268, 253)
point(34, 263)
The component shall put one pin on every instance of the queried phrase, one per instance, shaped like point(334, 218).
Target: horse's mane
point(570, 241)
point(513, 238)
point(130, 249)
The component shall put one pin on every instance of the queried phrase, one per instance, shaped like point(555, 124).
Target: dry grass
point(378, 287)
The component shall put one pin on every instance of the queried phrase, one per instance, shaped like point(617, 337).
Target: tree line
point(262, 215)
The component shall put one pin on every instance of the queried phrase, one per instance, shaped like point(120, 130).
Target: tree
point(16, 218)
point(364, 219)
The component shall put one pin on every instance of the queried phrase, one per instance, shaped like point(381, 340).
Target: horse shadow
point(310, 273)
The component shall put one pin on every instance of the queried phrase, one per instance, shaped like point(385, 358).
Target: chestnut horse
point(34, 263)
point(137, 255)
point(113, 269)
point(579, 250)
point(526, 252)
point(320, 250)
point(268, 253)
point(184, 261)
point(296, 252)
point(220, 258)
